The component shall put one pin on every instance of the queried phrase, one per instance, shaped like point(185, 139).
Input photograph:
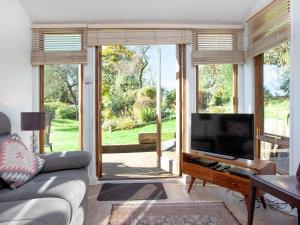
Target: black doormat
point(132, 191)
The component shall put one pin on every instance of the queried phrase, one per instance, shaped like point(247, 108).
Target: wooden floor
point(99, 212)
point(134, 165)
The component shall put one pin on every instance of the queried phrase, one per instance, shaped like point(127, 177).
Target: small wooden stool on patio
point(286, 188)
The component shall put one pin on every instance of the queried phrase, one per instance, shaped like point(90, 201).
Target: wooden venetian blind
point(59, 46)
point(138, 36)
point(269, 27)
point(218, 46)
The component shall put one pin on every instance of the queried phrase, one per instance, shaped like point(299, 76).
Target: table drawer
point(197, 171)
point(232, 182)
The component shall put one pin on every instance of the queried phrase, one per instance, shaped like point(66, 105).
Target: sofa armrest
point(65, 160)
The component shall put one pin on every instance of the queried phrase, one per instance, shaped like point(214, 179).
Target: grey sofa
point(56, 196)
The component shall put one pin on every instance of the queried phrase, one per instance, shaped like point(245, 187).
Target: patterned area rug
point(184, 213)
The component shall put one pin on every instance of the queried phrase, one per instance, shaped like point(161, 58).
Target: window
point(276, 90)
point(216, 88)
point(62, 42)
point(276, 77)
point(61, 99)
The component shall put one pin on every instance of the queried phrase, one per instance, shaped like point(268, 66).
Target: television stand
point(220, 156)
point(222, 178)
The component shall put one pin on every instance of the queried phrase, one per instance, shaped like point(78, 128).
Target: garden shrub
point(50, 108)
point(109, 125)
point(121, 103)
point(65, 111)
point(147, 92)
point(169, 98)
point(168, 113)
point(142, 102)
point(145, 104)
point(125, 123)
point(148, 114)
point(220, 97)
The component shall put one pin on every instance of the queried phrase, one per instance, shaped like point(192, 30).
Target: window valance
point(218, 46)
point(59, 46)
point(98, 37)
point(269, 27)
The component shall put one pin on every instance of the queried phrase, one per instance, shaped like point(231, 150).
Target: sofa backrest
point(5, 129)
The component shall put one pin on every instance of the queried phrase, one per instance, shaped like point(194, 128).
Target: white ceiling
point(140, 11)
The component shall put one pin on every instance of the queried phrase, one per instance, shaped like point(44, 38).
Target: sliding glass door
point(136, 110)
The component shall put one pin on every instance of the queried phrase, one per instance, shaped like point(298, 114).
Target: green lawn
point(65, 134)
point(277, 109)
point(131, 136)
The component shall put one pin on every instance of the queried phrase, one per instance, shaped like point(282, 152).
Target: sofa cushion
point(18, 164)
point(70, 185)
point(65, 160)
point(79, 217)
point(42, 211)
point(80, 174)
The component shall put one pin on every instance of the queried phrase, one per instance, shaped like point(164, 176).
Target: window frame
point(42, 108)
point(260, 134)
point(181, 77)
point(259, 102)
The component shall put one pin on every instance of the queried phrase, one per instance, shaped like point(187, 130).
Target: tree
point(114, 60)
point(142, 63)
point(61, 84)
point(280, 57)
point(169, 99)
point(122, 75)
point(217, 82)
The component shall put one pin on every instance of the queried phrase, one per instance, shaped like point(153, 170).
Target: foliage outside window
point(215, 88)
point(277, 90)
point(129, 76)
point(276, 76)
point(61, 104)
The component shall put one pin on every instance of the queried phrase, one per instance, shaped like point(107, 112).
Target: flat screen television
point(223, 134)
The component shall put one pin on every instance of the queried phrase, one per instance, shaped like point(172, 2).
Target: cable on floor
point(272, 204)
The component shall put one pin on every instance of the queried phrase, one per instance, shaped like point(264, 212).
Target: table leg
point(246, 199)
point(298, 210)
point(263, 202)
point(251, 206)
point(191, 184)
point(204, 183)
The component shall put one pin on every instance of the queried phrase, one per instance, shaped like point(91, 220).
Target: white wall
point(191, 93)
point(89, 113)
point(295, 84)
point(15, 65)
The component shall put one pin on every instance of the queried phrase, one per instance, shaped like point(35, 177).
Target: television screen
point(223, 134)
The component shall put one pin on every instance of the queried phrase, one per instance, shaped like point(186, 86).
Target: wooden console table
point(225, 179)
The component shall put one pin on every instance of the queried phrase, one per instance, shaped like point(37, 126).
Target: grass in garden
point(131, 136)
point(277, 109)
point(65, 134)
